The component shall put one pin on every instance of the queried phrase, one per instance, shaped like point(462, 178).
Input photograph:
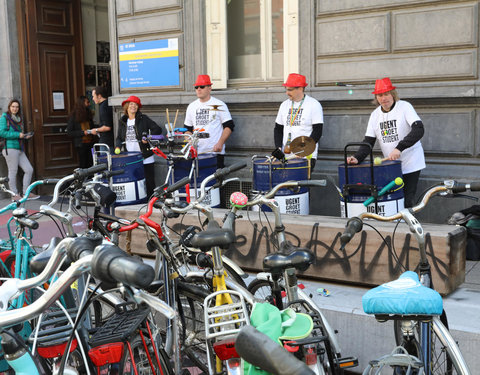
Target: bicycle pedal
point(347, 362)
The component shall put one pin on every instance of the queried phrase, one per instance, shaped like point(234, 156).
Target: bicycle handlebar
point(220, 174)
point(176, 185)
point(81, 174)
point(460, 187)
point(113, 265)
point(261, 351)
point(110, 264)
point(287, 184)
point(354, 225)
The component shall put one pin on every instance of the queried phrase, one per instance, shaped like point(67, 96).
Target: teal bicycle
point(17, 250)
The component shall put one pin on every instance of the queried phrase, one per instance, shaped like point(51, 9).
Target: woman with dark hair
point(11, 128)
point(131, 127)
point(79, 125)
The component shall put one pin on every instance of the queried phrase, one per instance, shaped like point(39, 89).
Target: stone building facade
point(429, 48)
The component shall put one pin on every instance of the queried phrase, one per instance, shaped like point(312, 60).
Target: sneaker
point(32, 196)
point(16, 197)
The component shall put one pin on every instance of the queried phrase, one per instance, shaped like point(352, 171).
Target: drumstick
point(205, 152)
point(175, 121)
point(168, 121)
point(293, 154)
point(378, 160)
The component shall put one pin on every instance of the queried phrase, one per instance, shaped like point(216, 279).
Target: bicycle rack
point(223, 321)
point(53, 333)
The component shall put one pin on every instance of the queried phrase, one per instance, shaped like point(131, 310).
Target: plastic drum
point(207, 165)
point(266, 175)
point(130, 185)
point(388, 204)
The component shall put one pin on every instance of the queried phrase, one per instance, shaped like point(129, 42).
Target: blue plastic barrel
point(130, 185)
point(207, 165)
point(267, 175)
point(383, 174)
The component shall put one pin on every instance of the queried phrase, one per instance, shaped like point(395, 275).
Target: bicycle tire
point(192, 320)
point(141, 359)
point(441, 362)
point(263, 289)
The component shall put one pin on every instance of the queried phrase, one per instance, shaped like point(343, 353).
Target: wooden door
point(51, 55)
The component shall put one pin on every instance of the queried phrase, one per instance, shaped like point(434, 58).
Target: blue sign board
point(149, 64)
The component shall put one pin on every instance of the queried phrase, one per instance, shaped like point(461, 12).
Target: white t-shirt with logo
point(391, 127)
point(131, 142)
point(209, 116)
point(297, 118)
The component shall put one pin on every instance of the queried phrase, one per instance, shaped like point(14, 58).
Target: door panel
point(53, 44)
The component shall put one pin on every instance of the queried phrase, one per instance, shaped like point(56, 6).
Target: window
point(247, 40)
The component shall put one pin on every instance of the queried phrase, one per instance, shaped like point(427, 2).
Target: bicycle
point(224, 308)
point(109, 264)
point(279, 286)
point(422, 331)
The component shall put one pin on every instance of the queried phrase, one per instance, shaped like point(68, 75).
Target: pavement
point(359, 334)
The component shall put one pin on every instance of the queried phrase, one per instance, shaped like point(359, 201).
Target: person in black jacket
point(79, 128)
point(105, 128)
point(131, 127)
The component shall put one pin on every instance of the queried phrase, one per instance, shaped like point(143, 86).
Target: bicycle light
point(225, 349)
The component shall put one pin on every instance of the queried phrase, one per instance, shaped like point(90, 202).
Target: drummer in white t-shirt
point(397, 127)
point(299, 115)
point(211, 115)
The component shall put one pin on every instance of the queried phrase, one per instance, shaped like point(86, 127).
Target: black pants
point(220, 161)
point(410, 189)
point(312, 164)
point(85, 158)
point(149, 178)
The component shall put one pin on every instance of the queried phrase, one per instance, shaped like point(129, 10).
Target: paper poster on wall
point(149, 64)
point(58, 100)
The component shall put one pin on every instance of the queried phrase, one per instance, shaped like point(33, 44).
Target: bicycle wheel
point(144, 358)
point(262, 289)
point(192, 321)
point(441, 360)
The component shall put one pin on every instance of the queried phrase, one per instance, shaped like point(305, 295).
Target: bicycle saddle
point(39, 261)
point(404, 296)
point(289, 256)
point(213, 236)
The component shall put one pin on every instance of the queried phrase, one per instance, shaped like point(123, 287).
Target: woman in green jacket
point(11, 128)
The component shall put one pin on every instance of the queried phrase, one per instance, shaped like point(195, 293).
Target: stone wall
point(365, 261)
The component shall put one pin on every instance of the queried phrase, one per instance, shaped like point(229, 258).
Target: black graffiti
point(399, 259)
point(246, 252)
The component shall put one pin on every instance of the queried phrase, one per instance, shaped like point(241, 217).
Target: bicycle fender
point(266, 276)
point(234, 266)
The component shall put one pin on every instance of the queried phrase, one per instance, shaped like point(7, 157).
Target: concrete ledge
point(365, 261)
point(362, 336)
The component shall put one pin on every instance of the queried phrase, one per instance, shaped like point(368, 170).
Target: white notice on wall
point(58, 100)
